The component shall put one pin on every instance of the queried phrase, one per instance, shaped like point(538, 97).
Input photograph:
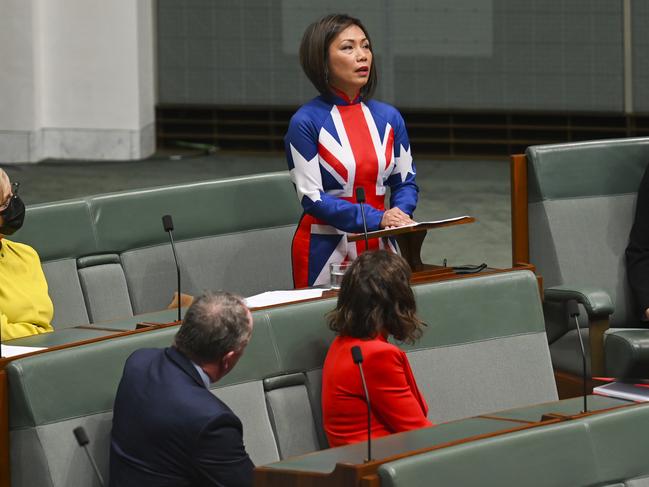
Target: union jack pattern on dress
point(334, 146)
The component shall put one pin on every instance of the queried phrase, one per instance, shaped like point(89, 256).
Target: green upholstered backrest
point(603, 167)
point(132, 219)
point(72, 382)
point(485, 347)
point(116, 222)
point(476, 309)
point(581, 207)
point(557, 455)
point(223, 225)
point(83, 380)
point(300, 334)
point(602, 449)
point(60, 230)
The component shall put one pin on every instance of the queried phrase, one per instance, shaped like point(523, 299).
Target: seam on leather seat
point(565, 198)
point(203, 237)
point(474, 341)
point(69, 418)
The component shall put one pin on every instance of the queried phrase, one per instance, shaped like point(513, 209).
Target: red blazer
point(397, 404)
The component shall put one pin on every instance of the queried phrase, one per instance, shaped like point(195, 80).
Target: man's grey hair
point(215, 324)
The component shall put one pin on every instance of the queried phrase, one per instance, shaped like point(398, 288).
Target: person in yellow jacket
point(25, 305)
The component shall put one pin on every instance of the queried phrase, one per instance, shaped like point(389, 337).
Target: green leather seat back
point(484, 342)
point(132, 219)
point(59, 230)
point(581, 208)
point(225, 230)
point(556, 455)
point(604, 449)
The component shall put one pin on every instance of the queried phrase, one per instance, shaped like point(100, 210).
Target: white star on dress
point(306, 176)
point(403, 164)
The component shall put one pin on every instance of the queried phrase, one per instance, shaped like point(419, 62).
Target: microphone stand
point(357, 356)
point(82, 439)
point(573, 311)
point(168, 226)
point(360, 197)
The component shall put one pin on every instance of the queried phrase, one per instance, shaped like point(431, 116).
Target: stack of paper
point(279, 297)
point(624, 390)
point(7, 351)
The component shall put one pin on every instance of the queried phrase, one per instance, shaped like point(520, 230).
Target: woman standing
point(375, 302)
point(342, 140)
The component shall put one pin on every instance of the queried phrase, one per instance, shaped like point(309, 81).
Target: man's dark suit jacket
point(637, 252)
point(169, 430)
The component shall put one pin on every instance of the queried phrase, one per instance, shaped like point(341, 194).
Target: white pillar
point(79, 80)
point(18, 124)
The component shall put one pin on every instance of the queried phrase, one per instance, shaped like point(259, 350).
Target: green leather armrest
point(596, 301)
point(627, 353)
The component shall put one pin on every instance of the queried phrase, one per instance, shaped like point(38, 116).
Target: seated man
point(637, 251)
point(168, 428)
point(25, 305)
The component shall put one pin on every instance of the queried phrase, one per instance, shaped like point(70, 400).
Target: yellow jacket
point(25, 306)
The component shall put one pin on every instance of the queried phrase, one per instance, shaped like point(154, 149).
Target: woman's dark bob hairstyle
point(375, 296)
point(314, 52)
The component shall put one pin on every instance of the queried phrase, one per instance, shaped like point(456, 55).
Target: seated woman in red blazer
point(375, 301)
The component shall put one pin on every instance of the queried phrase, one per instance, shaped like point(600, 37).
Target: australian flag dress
point(334, 145)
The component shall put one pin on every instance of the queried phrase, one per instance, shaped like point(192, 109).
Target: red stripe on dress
point(367, 162)
point(333, 161)
point(389, 147)
point(300, 252)
point(365, 156)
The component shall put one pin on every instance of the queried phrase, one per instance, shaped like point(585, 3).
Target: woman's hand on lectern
point(394, 217)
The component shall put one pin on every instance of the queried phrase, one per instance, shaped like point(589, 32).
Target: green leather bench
point(607, 450)
point(484, 350)
point(335, 463)
point(106, 257)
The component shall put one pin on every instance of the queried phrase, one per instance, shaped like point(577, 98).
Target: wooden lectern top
point(416, 227)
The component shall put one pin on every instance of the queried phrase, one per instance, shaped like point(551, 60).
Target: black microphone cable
point(360, 197)
point(573, 311)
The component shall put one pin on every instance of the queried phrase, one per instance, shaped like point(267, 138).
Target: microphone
point(357, 355)
point(82, 439)
point(360, 197)
point(168, 225)
point(573, 312)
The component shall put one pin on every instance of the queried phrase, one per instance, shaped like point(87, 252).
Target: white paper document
point(624, 390)
point(436, 222)
point(279, 297)
point(7, 351)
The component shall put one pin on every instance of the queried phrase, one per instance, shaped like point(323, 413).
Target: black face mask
point(13, 216)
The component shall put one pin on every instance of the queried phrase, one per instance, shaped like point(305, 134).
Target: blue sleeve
point(221, 458)
point(301, 144)
point(403, 188)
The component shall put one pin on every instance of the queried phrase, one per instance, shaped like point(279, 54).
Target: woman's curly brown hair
point(375, 296)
